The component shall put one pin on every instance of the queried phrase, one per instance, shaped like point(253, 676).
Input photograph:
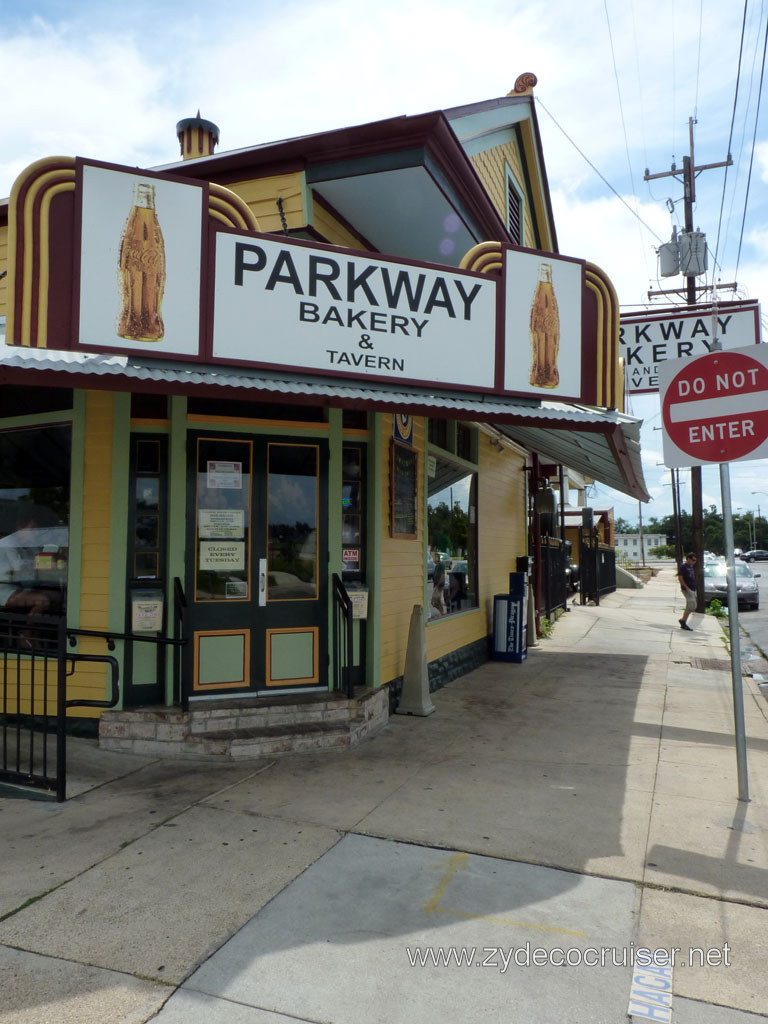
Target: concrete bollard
point(414, 699)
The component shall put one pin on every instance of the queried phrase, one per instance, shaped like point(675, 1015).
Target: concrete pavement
point(583, 801)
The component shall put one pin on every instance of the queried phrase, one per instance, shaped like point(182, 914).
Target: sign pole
point(733, 629)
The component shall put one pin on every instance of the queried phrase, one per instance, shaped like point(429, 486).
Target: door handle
point(262, 582)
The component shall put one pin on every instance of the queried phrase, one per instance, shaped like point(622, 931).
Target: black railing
point(597, 567)
point(554, 578)
point(343, 640)
point(180, 693)
point(36, 659)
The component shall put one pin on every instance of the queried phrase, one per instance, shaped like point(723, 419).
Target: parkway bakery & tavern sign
point(164, 267)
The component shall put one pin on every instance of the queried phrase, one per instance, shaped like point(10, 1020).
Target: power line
point(730, 135)
point(752, 154)
point(597, 172)
point(623, 125)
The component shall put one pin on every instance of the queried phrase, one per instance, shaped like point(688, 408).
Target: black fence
point(343, 640)
point(597, 567)
point(554, 577)
point(35, 662)
point(37, 656)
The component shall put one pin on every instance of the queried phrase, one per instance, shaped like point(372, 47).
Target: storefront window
point(451, 557)
point(34, 519)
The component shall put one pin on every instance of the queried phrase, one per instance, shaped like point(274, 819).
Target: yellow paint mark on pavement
point(457, 863)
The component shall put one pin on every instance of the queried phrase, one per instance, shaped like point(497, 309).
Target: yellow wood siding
point(90, 681)
point(402, 565)
point(501, 538)
point(4, 266)
point(332, 230)
point(491, 165)
point(261, 196)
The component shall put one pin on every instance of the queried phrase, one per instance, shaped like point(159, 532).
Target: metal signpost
point(715, 410)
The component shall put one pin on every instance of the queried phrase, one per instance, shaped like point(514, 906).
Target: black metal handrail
point(180, 638)
point(343, 647)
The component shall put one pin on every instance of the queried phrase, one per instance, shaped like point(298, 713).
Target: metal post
point(733, 630)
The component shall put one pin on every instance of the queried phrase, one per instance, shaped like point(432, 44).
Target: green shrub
point(716, 609)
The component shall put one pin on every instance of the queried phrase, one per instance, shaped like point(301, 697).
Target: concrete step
point(248, 729)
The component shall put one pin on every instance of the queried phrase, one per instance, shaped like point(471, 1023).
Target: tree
point(623, 526)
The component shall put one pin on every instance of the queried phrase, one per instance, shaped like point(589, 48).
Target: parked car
point(716, 584)
point(755, 555)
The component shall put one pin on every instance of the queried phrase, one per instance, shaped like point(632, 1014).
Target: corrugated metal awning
point(602, 444)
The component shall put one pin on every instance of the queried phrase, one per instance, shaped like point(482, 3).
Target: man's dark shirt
point(688, 574)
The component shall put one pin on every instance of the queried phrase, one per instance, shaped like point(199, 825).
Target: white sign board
point(220, 556)
point(140, 263)
point(221, 522)
point(297, 306)
point(647, 340)
point(542, 333)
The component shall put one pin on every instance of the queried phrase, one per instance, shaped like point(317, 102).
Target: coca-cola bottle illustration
point(141, 270)
point(545, 332)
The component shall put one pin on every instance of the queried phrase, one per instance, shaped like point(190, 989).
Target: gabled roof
point(406, 184)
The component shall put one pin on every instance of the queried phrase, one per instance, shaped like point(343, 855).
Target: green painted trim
point(221, 659)
point(39, 419)
point(306, 201)
point(375, 531)
point(176, 516)
point(335, 443)
point(292, 656)
point(367, 165)
point(118, 525)
point(76, 482)
point(480, 143)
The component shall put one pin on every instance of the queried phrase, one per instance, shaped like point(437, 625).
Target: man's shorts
point(690, 600)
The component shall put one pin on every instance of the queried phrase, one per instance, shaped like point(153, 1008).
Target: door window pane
point(222, 516)
point(292, 522)
point(34, 519)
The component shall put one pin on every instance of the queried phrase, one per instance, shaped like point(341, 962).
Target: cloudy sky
point(618, 82)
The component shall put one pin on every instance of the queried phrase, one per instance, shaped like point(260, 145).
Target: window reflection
point(451, 556)
point(292, 522)
point(223, 518)
point(34, 520)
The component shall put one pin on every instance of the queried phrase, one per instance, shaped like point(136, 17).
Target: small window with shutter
point(514, 211)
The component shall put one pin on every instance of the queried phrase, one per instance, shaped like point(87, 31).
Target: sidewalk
point(586, 799)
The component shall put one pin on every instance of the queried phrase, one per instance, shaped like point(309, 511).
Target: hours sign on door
point(715, 408)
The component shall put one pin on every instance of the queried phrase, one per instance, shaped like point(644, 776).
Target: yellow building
point(243, 388)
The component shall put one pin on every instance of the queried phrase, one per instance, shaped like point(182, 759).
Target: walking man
point(686, 576)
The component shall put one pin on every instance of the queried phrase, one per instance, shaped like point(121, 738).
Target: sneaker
point(684, 625)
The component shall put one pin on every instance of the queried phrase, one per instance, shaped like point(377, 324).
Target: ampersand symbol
point(365, 341)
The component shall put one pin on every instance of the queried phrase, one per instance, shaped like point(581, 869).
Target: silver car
point(716, 585)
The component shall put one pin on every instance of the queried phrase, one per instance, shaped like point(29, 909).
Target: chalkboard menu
point(403, 465)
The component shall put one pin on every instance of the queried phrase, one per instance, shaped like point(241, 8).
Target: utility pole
point(689, 198)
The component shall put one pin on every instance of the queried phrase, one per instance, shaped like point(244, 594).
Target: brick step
point(246, 730)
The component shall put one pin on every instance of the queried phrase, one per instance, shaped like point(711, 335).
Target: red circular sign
point(716, 407)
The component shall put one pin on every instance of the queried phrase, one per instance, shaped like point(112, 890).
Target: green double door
point(257, 564)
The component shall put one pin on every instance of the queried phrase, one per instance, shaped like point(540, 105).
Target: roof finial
point(524, 84)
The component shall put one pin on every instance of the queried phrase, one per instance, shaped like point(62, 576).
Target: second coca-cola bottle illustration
point(545, 332)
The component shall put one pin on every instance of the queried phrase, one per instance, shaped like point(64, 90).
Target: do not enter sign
point(715, 408)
